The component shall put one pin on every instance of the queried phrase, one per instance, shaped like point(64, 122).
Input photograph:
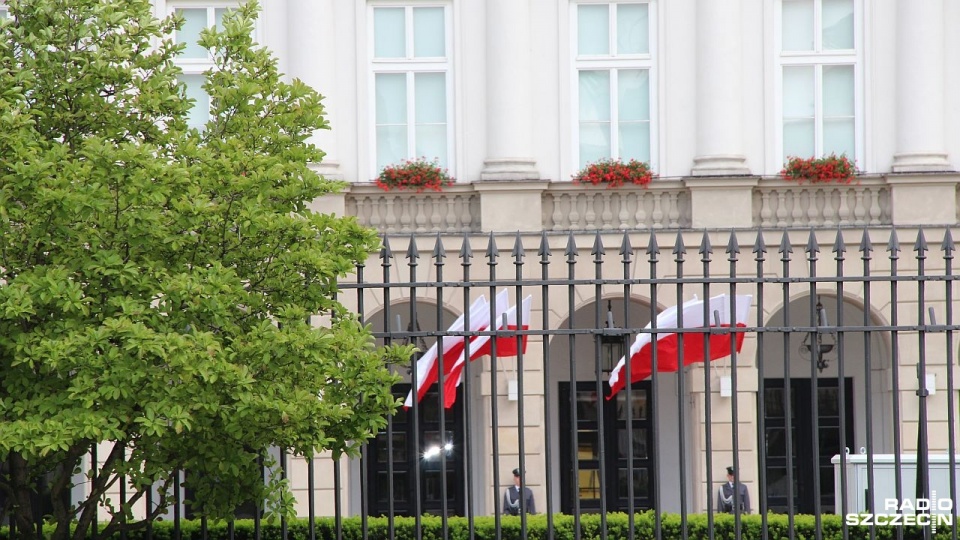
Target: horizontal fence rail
point(830, 396)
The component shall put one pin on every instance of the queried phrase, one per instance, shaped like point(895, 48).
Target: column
point(509, 92)
point(311, 47)
point(719, 90)
point(920, 91)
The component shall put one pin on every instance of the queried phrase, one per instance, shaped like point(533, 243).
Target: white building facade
point(513, 97)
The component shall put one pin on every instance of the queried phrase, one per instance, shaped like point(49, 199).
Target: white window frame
point(818, 58)
point(613, 63)
point(410, 66)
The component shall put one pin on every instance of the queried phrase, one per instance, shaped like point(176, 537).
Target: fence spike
point(866, 245)
point(678, 248)
point(597, 250)
point(492, 251)
point(813, 246)
point(947, 245)
point(412, 253)
point(626, 250)
point(920, 246)
point(571, 251)
point(893, 246)
point(544, 250)
point(733, 245)
point(785, 246)
point(518, 249)
point(439, 253)
point(706, 249)
point(652, 248)
point(466, 252)
point(839, 247)
point(386, 254)
point(759, 245)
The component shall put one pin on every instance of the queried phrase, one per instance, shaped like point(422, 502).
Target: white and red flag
point(694, 346)
point(506, 319)
point(452, 347)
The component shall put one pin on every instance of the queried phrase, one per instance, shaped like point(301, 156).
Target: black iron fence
point(839, 400)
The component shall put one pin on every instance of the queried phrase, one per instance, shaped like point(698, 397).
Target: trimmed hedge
point(485, 528)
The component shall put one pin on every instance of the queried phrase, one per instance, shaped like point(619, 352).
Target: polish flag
point(668, 343)
point(452, 347)
point(506, 345)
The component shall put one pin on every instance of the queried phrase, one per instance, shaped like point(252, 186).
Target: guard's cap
point(516, 472)
point(730, 470)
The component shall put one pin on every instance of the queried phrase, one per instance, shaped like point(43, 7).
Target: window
point(411, 84)
point(819, 77)
point(195, 60)
point(614, 73)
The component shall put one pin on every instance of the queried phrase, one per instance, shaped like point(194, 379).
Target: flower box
point(414, 175)
point(614, 173)
point(832, 169)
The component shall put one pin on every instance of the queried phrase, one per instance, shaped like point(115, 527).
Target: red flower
point(417, 174)
point(614, 173)
point(832, 168)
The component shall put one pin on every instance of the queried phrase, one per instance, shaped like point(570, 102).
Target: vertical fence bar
point(948, 247)
point(492, 254)
point(813, 250)
point(544, 253)
point(705, 255)
point(438, 255)
point(739, 505)
point(571, 255)
point(893, 250)
point(466, 260)
point(413, 256)
point(312, 496)
point(653, 253)
point(521, 443)
point(598, 253)
point(679, 252)
point(786, 251)
point(923, 469)
point(626, 255)
point(760, 257)
point(839, 250)
point(257, 520)
point(866, 255)
point(283, 516)
point(386, 264)
point(177, 506)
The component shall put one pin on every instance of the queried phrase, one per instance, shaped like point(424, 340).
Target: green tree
point(157, 282)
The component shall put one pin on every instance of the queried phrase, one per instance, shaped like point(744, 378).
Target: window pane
point(838, 137)
point(633, 29)
point(431, 143)
point(797, 25)
point(638, 442)
point(586, 406)
point(634, 140)
point(593, 29)
point(430, 91)
point(218, 14)
point(588, 445)
point(589, 484)
point(594, 142)
point(798, 92)
point(838, 91)
point(3, 13)
point(641, 481)
point(391, 98)
point(399, 447)
point(194, 21)
point(388, 35)
point(594, 96)
point(633, 99)
point(639, 398)
point(391, 145)
point(798, 138)
point(428, 32)
point(837, 24)
point(200, 113)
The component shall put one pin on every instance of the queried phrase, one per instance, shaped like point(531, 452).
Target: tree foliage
point(157, 282)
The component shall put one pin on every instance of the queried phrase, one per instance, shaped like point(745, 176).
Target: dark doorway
point(405, 455)
point(803, 422)
point(612, 440)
